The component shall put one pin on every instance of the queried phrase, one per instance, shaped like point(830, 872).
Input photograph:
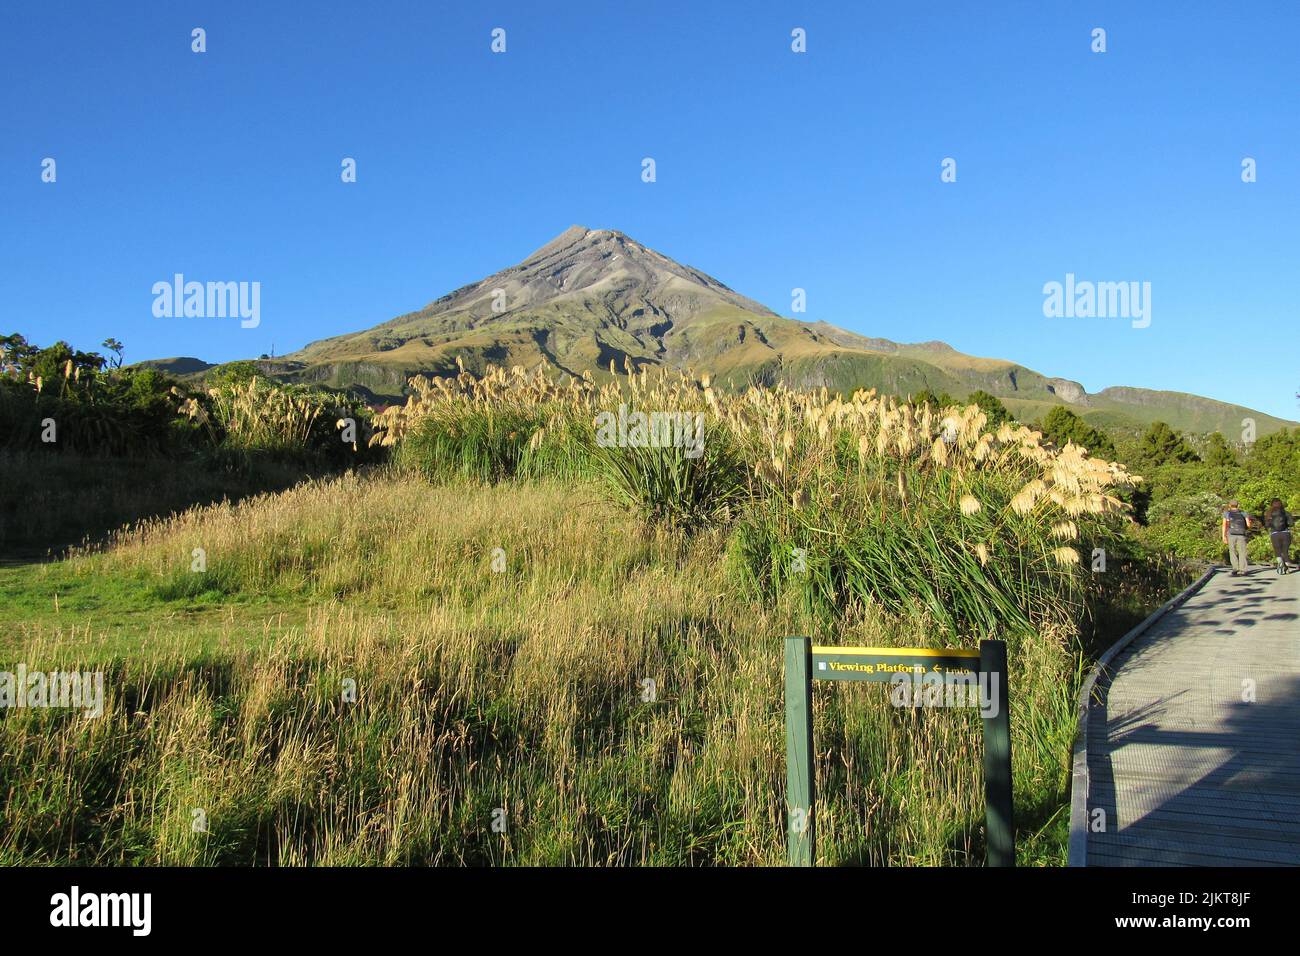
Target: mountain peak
point(576, 240)
point(569, 237)
point(587, 296)
point(603, 269)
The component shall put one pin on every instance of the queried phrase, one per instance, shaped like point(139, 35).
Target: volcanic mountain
point(589, 297)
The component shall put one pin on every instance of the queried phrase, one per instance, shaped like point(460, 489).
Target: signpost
point(929, 668)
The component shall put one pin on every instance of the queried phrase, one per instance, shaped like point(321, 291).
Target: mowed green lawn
point(103, 617)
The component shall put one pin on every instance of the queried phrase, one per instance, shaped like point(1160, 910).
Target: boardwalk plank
point(1188, 771)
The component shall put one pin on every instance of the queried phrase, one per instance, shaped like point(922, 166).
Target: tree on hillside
point(50, 363)
point(1161, 444)
point(1062, 426)
point(1217, 451)
point(130, 413)
point(233, 373)
point(927, 397)
point(990, 405)
point(16, 353)
point(1277, 456)
point(116, 347)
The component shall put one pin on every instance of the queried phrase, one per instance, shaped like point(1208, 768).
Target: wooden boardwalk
point(1186, 770)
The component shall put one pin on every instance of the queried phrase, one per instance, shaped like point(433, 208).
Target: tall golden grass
point(529, 653)
point(892, 502)
point(477, 690)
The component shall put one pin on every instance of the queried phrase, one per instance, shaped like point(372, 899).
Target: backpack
point(1279, 520)
point(1236, 521)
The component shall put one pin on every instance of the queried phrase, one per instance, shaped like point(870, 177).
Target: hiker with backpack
point(1279, 524)
point(1235, 525)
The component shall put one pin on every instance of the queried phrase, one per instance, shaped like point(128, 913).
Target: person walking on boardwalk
point(1279, 524)
point(1235, 525)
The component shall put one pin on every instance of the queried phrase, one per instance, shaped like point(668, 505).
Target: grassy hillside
point(1179, 410)
point(521, 690)
point(181, 367)
point(574, 661)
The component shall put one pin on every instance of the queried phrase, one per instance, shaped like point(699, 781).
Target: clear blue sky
point(775, 170)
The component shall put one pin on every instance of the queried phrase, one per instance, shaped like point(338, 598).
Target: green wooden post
point(800, 793)
point(999, 826)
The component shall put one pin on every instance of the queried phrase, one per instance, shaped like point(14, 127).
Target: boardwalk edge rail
point(1078, 846)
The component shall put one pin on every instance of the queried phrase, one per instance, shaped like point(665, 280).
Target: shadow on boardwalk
point(1194, 735)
